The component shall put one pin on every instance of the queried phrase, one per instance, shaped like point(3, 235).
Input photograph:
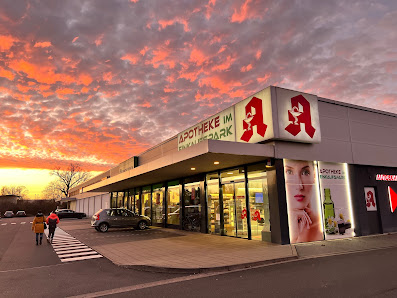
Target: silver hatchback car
point(104, 219)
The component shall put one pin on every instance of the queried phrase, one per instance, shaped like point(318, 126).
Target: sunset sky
point(98, 81)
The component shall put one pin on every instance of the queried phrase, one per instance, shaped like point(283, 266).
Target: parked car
point(8, 214)
point(68, 213)
point(118, 218)
point(20, 213)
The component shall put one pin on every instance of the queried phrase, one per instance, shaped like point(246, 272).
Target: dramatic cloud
point(98, 81)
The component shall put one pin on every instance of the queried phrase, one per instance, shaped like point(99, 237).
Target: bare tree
point(52, 191)
point(16, 190)
point(72, 176)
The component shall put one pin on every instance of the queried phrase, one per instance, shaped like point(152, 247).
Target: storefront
point(264, 170)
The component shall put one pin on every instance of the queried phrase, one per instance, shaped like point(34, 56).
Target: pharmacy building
point(280, 166)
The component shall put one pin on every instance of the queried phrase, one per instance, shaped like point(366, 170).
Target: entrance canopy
point(179, 164)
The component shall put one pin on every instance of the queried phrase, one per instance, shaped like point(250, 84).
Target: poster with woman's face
point(303, 202)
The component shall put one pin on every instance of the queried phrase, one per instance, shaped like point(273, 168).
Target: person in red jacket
point(52, 222)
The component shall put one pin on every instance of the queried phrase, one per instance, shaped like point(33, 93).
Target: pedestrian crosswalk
point(70, 249)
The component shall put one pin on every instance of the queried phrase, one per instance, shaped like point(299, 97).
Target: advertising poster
point(370, 199)
point(303, 202)
point(335, 198)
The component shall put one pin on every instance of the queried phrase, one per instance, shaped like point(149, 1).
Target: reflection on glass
point(157, 205)
point(173, 210)
point(214, 216)
point(113, 201)
point(259, 208)
point(192, 216)
point(120, 196)
point(146, 208)
point(130, 204)
point(137, 202)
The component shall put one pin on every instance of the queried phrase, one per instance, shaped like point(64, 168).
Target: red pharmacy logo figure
point(300, 113)
point(256, 215)
point(244, 213)
point(253, 117)
point(370, 199)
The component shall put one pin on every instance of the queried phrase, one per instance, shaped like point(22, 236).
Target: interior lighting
point(230, 173)
point(193, 169)
point(216, 162)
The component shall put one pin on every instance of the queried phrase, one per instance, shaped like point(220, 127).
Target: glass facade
point(232, 202)
point(158, 204)
point(173, 203)
point(213, 204)
point(258, 201)
point(146, 201)
point(192, 206)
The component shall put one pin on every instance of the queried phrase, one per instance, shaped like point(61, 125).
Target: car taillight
point(97, 217)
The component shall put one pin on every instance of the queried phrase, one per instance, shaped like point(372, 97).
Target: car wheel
point(142, 225)
point(103, 227)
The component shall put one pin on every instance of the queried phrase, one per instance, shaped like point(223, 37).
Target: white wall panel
point(91, 209)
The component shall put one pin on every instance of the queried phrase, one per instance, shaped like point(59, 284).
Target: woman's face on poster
point(299, 178)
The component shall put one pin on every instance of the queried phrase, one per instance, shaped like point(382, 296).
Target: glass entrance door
point(234, 210)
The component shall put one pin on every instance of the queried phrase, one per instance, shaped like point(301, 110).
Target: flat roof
point(177, 165)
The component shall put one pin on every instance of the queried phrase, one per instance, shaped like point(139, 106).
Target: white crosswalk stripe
point(70, 249)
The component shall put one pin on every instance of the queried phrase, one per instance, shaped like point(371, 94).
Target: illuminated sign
point(392, 198)
point(218, 127)
point(383, 177)
point(272, 113)
point(298, 118)
point(254, 121)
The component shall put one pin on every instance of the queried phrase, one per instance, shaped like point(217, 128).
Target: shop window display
point(146, 202)
point(158, 205)
point(214, 216)
point(192, 214)
point(173, 205)
point(259, 203)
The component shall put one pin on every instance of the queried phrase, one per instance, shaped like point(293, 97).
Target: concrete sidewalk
point(189, 252)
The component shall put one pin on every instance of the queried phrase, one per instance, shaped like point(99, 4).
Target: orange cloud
point(225, 65)
point(98, 41)
point(143, 51)
point(6, 74)
point(133, 59)
point(85, 79)
point(264, 79)
point(246, 68)
point(245, 12)
point(162, 56)
point(44, 44)
point(6, 42)
point(166, 23)
point(258, 54)
point(217, 83)
point(197, 57)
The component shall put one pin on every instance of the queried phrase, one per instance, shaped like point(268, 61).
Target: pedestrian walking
point(52, 222)
point(38, 226)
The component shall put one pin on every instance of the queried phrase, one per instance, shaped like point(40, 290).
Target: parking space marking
point(13, 223)
point(3, 224)
point(69, 249)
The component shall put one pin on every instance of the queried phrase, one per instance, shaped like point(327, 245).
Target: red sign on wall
point(392, 198)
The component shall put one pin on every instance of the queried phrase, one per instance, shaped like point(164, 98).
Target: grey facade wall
point(350, 135)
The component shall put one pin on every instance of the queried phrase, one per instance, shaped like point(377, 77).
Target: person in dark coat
point(52, 222)
point(38, 226)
